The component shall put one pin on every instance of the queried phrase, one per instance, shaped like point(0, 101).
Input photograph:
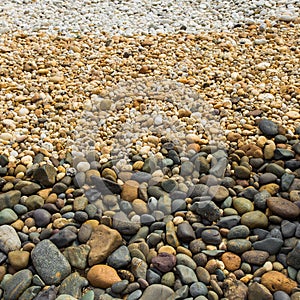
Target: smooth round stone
point(9, 239)
point(34, 202)
point(152, 277)
point(238, 246)
point(168, 279)
point(238, 232)
point(254, 219)
point(185, 232)
point(275, 169)
point(42, 217)
point(186, 274)
point(135, 295)
point(288, 228)
point(242, 172)
point(157, 291)
point(198, 289)
point(183, 259)
point(255, 257)
point(211, 236)
point(20, 209)
point(281, 295)
point(120, 258)
point(242, 205)
point(267, 178)
point(7, 216)
point(283, 208)
point(119, 286)
point(102, 276)
point(19, 259)
point(231, 261)
point(268, 127)
point(187, 168)
point(218, 192)
point(147, 219)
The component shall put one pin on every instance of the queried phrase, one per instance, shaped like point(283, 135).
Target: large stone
point(73, 285)
point(120, 258)
point(9, 199)
point(254, 219)
point(293, 258)
point(103, 242)
point(45, 175)
point(77, 256)
point(258, 291)
point(50, 263)
point(268, 127)
point(157, 291)
point(186, 274)
point(102, 276)
point(17, 284)
point(7, 216)
point(234, 289)
point(283, 208)
point(276, 281)
point(255, 257)
point(9, 239)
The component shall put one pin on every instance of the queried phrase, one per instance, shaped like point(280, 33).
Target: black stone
point(268, 127)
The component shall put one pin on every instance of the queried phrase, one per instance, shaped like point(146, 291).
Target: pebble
point(276, 281)
point(258, 291)
point(157, 291)
point(9, 239)
point(53, 269)
point(73, 285)
point(7, 216)
point(268, 127)
point(102, 243)
point(102, 276)
point(283, 207)
point(186, 274)
point(119, 258)
point(77, 256)
point(164, 262)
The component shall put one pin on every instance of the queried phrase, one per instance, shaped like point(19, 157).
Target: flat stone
point(73, 285)
point(218, 193)
point(283, 208)
point(120, 258)
point(103, 242)
point(255, 257)
point(242, 205)
point(238, 232)
point(130, 190)
point(254, 219)
point(9, 199)
point(198, 289)
point(7, 216)
point(77, 256)
point(275, 169)
point(286, 181)
point(267, 178)
point(228, 221)
point(157, 291)
point(270, 245)
point(276, 281)
point(9, 239)
point(50, 263)
point(288, 228)
point(102, 276)
point(186, 275)
point(280, 295)
point(211, 237)
point(242, 172)
point(238, 246)
point(258, 291)
point(34, 201)
point(63, 238)
point(185, 260)
point(268, 127)
point(16, 285)
point(30, 188)
point(284, 154)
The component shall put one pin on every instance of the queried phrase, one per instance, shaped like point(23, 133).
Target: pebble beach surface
point(149, 150)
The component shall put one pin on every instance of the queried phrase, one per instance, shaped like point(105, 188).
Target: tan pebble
point(276, 281)
point(140, 206)
point(167, 249)
point(18, 225)
point(272, 188)
point(178, 220)
point(28, 247)
point(130, 190)
point(102, 276)
point(60, 176)
point(233, 136)
point(18, 259)
point(29, 222)
point(268, 266)
point(44, 193)
point(211, 266)
point(193, 146)
point(277, 266)
point(61, 222)
point(293, 114)
point(20, 175)
point(184, 250)
point(246, 278)
point(261, 141)
point(51, 198)
point(92, 223)
point(138, 165)
point(2, 272)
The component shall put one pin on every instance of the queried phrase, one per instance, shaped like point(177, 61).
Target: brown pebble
point(102, 276)
point(231, 261)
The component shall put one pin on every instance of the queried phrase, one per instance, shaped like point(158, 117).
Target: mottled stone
point(258, 291)
point(103, 242)
point(255, 257)
point(73, 285)
point(231, 261)
point(283, 208)
point(77, 256)
point(235, 289)
point(164, 262)
point(157, 291)
point(53, 269)
point(276, 281)
point(9, 239)
point(254, 219)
